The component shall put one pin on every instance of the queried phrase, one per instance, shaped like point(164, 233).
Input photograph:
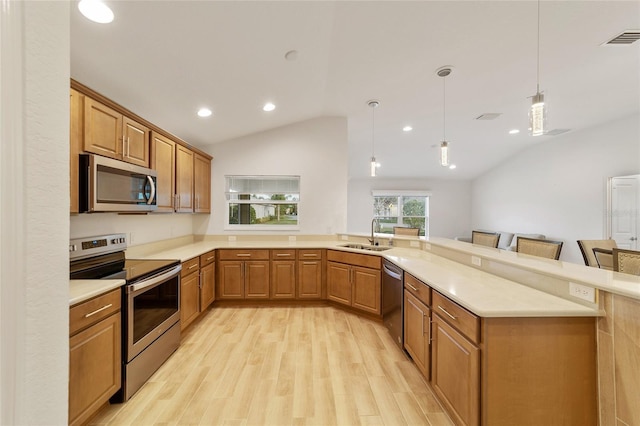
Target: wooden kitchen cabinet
point(109, 133)
point(94, 355)
point(184, 180)
point(202, 183)
point(354, 280)
point(283, 274)
point(163, 161)
point(207, 280)
point(417, 332)
point(76, 127)
point(189, 292)
point(243, 274)
point(310, 274)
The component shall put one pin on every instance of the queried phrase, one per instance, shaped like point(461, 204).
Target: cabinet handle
point(209, 258)
point(309, 263)
point(447, 313)
point(308, 255)
point(283, 254)
point(98, 310)
point(193, 266)
point(123, 142)
point(411, 287)
point(128, 147)
point(429, 330)
point(243, 254)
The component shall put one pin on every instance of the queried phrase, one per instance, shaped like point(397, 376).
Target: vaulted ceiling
point(165, 59)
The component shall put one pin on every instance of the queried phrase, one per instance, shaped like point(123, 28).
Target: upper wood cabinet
point(184, 179)
point(163, 161)
point(202, 183)
point(76, 127)
point(107, 132)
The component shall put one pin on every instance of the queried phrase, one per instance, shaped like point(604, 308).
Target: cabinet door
point(310, 279)
point(256, 279)
point(102, 129)
point(230, 281)
point(163, 161)
point(283, 279)
point(202, 183)
point(189, 303)
point(339, 282)
point(207, 286)
point(366, 289)
point(75, 140)
point(94, 368)
point(136, 146)
point(184, 179)
point(455, 372)
point(416, 332)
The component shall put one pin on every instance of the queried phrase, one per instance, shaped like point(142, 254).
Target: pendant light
point(373, 104)
point(444, 145)
point(538, 110)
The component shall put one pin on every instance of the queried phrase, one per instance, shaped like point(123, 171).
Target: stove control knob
point(73, 247)
point(122, 240)
point(114, 241)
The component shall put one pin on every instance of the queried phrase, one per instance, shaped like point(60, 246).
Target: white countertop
point(81, 290)
point(484, 294)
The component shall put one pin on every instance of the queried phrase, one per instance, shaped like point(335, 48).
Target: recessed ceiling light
point(407, 128)
point(453, 166)
point(96, 11)
point(514, 131)
point(268, 107)
point(204, 112)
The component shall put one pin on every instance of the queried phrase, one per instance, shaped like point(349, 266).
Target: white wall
point(35, 200)
point(315, 149)
point(558, 187)
point(449, 204)
point(140, 229)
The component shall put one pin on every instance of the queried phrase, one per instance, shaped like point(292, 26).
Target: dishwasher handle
point(392, 272)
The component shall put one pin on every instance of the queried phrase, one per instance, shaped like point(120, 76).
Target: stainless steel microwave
point(108, 185)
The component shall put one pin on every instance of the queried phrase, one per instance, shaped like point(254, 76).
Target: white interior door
point(624, 211)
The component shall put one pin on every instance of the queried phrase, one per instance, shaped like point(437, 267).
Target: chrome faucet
point(374, 221)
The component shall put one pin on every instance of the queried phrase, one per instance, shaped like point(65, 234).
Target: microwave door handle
point(153, 190)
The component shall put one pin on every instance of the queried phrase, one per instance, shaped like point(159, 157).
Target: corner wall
point(558, 187)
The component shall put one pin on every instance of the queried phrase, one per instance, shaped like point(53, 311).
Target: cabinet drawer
point(190, 266)
point(309, 254)
point(207, 258)
point(90, 312)
point(365, 260)
point(283, 254)
point(238, 254)
point(458, 317)
point(417, 288)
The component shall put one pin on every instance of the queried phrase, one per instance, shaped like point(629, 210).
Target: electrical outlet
point(344, 237)
point(582, 292)
point(232, 237)
point(415, 243)
point(476, 260)
point(132, 237)
point(292, 238)
point(427, 246)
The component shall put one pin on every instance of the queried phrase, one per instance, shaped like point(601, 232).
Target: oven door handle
point(154, 280)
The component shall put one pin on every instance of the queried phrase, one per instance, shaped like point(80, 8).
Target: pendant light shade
point(373, 166)
point(444, 145)
point(538, 109)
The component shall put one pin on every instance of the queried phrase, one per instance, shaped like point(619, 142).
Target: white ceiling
point(165, 59)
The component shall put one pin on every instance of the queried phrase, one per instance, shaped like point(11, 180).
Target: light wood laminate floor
point(310, 365)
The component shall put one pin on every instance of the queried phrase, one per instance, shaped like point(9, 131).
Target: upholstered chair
point(541, 248)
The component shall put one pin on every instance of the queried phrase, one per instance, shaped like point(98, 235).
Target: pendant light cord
point(373, 134)
point(538, 53)
point(444, 108)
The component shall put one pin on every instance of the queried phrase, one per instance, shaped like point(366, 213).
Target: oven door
point(153, 305)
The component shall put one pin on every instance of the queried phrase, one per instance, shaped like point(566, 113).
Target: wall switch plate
point(582, 292)
point(476, 260)
point(232, 237)
point(415, 243)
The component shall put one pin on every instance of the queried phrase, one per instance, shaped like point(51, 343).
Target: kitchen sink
point(365, 247)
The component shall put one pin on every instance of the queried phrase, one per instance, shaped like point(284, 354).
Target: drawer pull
point(309, 255)
point(98, 310)
point(309, 263)
point(283, 254)
point(243, 255)
point(209, 258)
point(448, 314)
point(412, 287)
point(192, 266)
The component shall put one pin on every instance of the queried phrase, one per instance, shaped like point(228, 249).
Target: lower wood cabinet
point(310, 274)
point(94, 355)
point(242, 274)
point(354, 280)
point(283, 274)
point(189, 292)
point(207, 280)
point(417, 332)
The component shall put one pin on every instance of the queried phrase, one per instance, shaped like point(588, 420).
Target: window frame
point(399, 194)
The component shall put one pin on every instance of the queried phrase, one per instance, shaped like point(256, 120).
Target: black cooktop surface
point(115, 266)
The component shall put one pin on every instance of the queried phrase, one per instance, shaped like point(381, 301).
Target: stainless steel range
point(150, 304)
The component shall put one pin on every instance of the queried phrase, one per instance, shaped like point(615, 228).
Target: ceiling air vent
point(627, 37)
point(556, 132)
point(489, 116)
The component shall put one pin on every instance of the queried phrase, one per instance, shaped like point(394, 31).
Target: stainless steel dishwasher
point(392, 287)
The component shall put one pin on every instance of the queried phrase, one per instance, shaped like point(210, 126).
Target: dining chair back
point(489, 239)
point(541, 248)
point(403, 230)
point(604, 258)
point(627, 261)
point(587, 246)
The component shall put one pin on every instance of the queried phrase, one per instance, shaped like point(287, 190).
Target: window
point(401, 208)
point(262, 202)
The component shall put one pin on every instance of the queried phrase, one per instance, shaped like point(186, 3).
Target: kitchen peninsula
point(508, 320)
